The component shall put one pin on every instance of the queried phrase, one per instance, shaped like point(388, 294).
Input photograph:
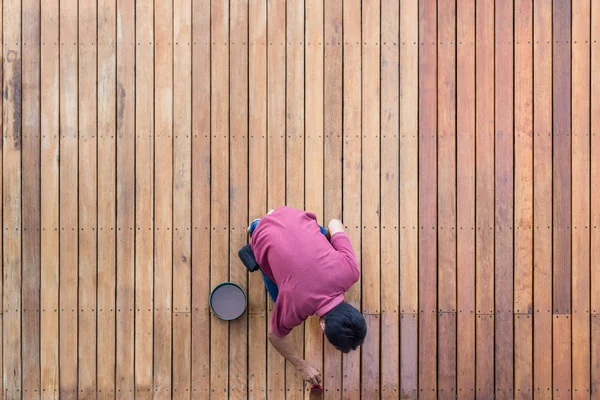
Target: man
point(307, 274)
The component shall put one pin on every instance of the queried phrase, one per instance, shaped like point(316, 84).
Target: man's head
point(345, 327)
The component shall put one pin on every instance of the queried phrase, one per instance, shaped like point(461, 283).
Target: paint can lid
point(227, 301)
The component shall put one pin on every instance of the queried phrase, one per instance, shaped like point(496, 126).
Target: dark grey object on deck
point(227, 301)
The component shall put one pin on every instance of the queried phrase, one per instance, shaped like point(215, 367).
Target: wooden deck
point(459, 141)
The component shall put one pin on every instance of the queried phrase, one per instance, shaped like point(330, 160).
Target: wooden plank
point(12, 191)
point(409, 197)
point(219, 200)
point(257, 185)
point(333, 110)
point(201, 107)
point(580, 197)
point(465, 197)
point(182, 205)
point(201, 113)
point(504, 253)
point(390, 84)
point(2, 202)
point(88, 191)
point(333, 162)
point(561, 351)
point(49, 192)
point(182, 341)
point(125, 383)
point(595, 354)
point(106, 198)
point(427, 199)
point(68, 199)
point(238, 191)
point(595, 208)
point(164, 164)
point(561, 194)
point(351, 191)
point(523, 197)
point(523, 328)
point(542, 209)
point(294, 180)
point(275, 154)
point(144, 198)
point(30, 165)
point(447, 369)
point(484, 218)
point(561, 163)
point(370, 202)
point(446, 201)
point(314, 154)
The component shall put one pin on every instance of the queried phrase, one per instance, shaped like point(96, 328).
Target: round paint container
point(227, 301)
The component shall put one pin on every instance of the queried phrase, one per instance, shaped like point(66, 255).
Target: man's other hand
point(335, 226)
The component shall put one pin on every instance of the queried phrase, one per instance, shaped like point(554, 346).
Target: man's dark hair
point(345, 327)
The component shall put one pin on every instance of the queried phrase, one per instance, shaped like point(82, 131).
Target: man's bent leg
point(271, 287)
point(253, 226)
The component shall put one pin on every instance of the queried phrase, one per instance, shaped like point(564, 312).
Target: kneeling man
point(306, 270)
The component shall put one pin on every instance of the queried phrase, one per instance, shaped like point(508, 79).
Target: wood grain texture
point(276, 11)
point(295, 157)
point(484, 216)
point(595, 209)
point(542, 195)
point(182, 204)
point(580, 195)
point(88, 200)
point(2, 136)
point(107, 204)
point(446, 199)
point(456, 140)
point(257, 185)
point(200, 241)
point(238, 190)
point(68, 182)
point(390, 86)
point(561, 356)
point(49, 200)
point(523, 360)
point(561, 197)
point(427, 199)
point(125, 199)
point(219, 193)
point(352, 190)
point(523, 188)
point(504, 203)
point(12, 199)
point(30, 198)
point(314, 153)
point(465, 198)
point(409, 197)
point(144, 198)
point(561, 160)
point(370, 202)
point(163, 207)
point(333, 161)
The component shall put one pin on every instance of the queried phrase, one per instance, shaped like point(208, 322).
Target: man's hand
point(335, 226)
point(310, 374)
point(286, 349)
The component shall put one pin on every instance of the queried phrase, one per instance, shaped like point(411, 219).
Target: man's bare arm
point(286, 349)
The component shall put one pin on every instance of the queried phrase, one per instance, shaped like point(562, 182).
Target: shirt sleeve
point(283, 319)
point(341, 243)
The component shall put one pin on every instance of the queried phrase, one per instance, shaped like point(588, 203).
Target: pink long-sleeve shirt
point(311, 273)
